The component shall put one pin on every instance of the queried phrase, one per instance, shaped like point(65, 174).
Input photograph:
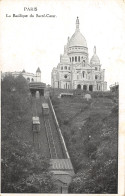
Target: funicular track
point(51, 143)
point(47, 130)
point(49, 133)
point(53, 140)
point(34, 108)
point(40, 141)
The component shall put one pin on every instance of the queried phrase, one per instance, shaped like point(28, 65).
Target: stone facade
point(74, 70)
point(30, 77)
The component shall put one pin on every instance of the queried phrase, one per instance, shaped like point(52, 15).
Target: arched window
point(61, 68)
point(28, 79)
point(96, 77)
point(79, 58)
point(95, 68)
point(85, 87)
point(75, 58)
point(78, 86)
point(65, 67)
point(83, 74)
point(72, 59)
point(65, 76)
point(90, 87)
point(32, 80)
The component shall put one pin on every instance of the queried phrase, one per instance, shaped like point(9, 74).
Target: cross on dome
point(94, 50)
point(77, 23)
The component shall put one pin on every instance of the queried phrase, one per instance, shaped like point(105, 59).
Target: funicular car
point(35, 124)
point(45, 109)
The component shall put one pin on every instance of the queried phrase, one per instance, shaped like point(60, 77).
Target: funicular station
point(37, 86)
point(60, 163)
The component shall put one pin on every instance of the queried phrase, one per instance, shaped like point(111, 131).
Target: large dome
point(77, 38)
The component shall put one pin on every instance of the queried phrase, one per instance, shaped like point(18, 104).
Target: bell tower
point(38, 75)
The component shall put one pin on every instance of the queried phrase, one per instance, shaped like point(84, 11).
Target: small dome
point(77, 38)
point(64, 58)
point(95, 58)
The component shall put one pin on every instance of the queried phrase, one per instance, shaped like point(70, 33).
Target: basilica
point(74, 70)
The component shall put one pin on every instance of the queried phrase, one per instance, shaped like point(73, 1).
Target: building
point(30, 77)
point(74, 70)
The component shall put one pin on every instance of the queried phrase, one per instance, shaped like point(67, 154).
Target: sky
point(29, 43)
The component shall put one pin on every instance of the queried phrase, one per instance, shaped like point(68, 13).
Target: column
point(87, 87)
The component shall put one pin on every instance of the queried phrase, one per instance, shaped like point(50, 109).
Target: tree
point(93, 148)
point(23, 169)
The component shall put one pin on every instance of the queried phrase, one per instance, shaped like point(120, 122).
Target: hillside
point(24, 170)
point(90, 129)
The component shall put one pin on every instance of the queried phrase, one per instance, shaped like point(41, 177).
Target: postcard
point(62, 97)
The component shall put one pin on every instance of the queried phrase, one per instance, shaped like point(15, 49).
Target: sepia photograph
point(62, 96)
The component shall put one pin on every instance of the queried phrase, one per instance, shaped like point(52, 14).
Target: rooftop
point(61, 164)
